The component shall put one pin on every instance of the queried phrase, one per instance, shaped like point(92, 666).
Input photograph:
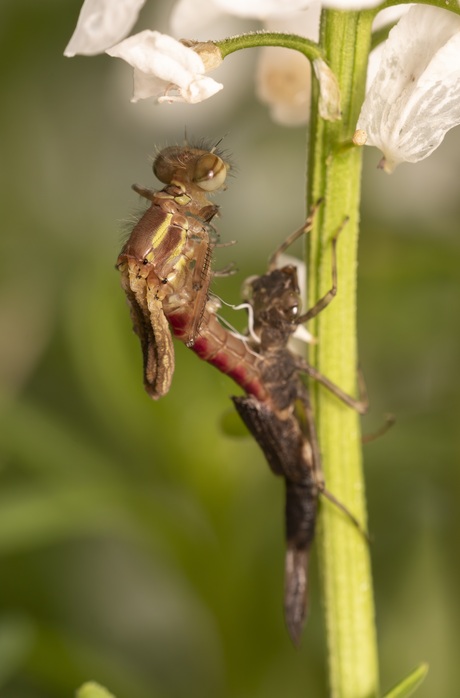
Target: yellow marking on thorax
point(159, 237)
point(161, 231)
point(183, 199)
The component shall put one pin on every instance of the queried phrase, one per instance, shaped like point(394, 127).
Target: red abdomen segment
point(224, 350)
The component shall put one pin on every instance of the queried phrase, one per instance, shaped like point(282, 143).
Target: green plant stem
point(334, 175)
point(310, 49)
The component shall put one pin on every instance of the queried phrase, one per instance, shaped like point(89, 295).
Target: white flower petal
point(195, 13)
point(283, 77)
point(196, 91)
point(387, 17)
point(146, 86)
point(304, 22)
point(165, 69)
point(415, 97)
point(264, 9)
point(351, 4)
point(261, 9)
point(190, 13)
point(189, 16)
point(152, 52)
point(101, 24)
point(283, 81)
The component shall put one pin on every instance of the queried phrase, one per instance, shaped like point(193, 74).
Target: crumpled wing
point(283, 445)
point(152, 328)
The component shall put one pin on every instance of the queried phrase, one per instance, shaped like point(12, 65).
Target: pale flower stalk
point(414, 98)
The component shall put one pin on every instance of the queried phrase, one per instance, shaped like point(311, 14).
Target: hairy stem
point(334, 175)
point(310, 49)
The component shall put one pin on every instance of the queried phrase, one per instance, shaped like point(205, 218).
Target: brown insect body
point(168, 256)
point(165, 267)
point(283, 426)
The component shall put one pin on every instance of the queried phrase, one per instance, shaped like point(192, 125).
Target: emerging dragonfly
point(168, 254)
point(165, 267)
point(277, 408)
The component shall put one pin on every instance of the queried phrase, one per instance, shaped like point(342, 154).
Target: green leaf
point(31, 517)
point(91, 689)
point(408, 685)
point(16, 637)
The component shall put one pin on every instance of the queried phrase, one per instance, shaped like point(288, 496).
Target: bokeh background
point(140, 544)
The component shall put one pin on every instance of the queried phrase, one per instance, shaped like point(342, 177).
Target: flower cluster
point(412, 101)
point(164, 68)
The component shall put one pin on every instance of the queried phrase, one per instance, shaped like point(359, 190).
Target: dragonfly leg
point(360, 404)
point(144, 191)
point(337, 503)
point(229, 270)
point(303, 230)
point(324, 301)
point(388, 423)
point(317, 471)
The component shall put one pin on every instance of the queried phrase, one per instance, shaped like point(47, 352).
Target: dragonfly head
point(196, 171)
point(275, 299)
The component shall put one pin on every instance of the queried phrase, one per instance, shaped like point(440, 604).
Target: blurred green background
point(140, 545)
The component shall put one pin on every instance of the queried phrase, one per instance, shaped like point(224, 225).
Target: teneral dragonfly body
point(165, 268)
point(168, 255)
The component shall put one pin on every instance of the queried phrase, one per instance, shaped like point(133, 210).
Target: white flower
point(261, 9)
point(351, 4)
point(165, 69)
point(283, 81)
point(283, 77)
point(102, 23)
point(415, 96)
point(189, 16)
point(385, 18)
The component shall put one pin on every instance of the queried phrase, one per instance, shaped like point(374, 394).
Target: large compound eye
point(165, 164)
point(210, 172)
point(290, 303)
